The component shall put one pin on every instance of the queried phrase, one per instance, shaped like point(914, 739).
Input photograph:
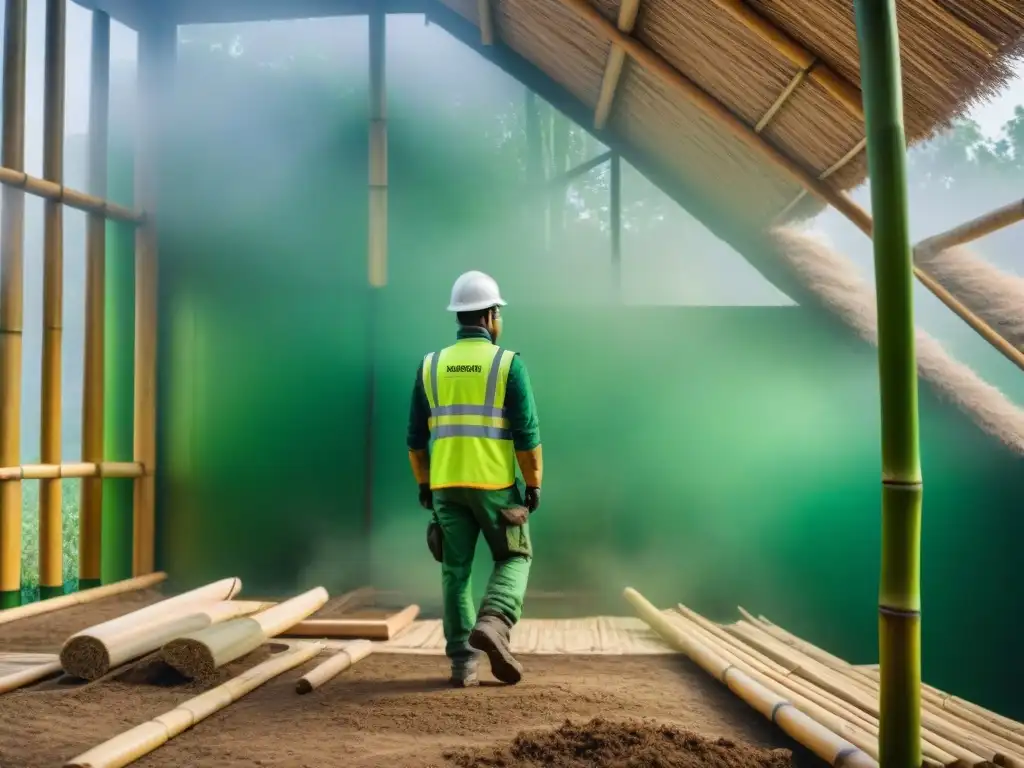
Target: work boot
point(464, 674)
point(491, 636)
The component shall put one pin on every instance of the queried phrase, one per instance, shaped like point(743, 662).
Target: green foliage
point(30, 534)
point(963, 156)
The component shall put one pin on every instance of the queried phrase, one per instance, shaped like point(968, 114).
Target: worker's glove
point(426, 496)
point(531, 498)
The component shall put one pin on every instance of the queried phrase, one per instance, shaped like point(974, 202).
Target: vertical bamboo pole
point(91, 513)
point(899, 621)
point(615, 212)
point(12, 274)
point(51, 566)
point(157, 48)
point(377, 241)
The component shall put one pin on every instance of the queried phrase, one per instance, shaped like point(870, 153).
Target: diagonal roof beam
point(628, 11)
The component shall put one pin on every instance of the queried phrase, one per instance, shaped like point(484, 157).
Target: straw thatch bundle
point(954, 54)
point(993, 295)
point(834, 281)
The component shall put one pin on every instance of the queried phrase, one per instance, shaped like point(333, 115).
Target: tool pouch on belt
point(515, 515)
point(434, 539)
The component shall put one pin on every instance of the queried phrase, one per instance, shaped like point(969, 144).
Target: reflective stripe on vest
point(472, 443)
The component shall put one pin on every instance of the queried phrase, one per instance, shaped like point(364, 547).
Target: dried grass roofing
point(955, 53)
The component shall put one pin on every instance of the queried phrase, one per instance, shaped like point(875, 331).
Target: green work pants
point(465, 513)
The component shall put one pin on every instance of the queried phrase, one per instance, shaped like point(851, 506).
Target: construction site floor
point(390, 710)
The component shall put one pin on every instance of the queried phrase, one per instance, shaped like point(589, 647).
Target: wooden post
point(51, 544)
point(12, 275)
point(91, 513)
point(615, 213)
point(157, 50)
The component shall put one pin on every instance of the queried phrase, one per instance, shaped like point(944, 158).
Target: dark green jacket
point(520, 408)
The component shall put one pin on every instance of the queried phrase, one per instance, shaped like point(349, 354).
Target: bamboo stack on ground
point(809, 732)
point(142, 739)
point(334, 666)
point(835, 694)
point(91, 653)
point(198, 654)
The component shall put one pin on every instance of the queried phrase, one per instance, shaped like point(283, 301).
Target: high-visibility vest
point(472, 443)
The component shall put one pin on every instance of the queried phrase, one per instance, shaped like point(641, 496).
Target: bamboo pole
point(81, 598)
point(51, 541)
point(143, 739)
point(49, 190)
point(110, 469)
point(28, 676)
point(378, 224)
point(975, 229)
point(91, 655)
point(899, 600)
point(351, 654)
point(197, 655)
point(628, 12)
point(808, 732)
point(12, 276)
point(91, 512)
point(486, 16)
point(157, 48)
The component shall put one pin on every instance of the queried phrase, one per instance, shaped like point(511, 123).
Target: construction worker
point(474, 399)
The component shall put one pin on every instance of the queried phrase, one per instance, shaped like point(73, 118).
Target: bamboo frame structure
point(899, 600)
point(80, 201)
point(972, 230)
point(143, 739)
point(157, 50)
point(628, 12)
point(91, 512)
point(80, 469)
point(12, 222)
point(51, 543)
point(82, 597)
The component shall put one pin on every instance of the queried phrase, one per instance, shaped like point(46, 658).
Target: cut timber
point(80, 598)
point(20, 669)
point(90, 656)
point(198, 654)
point(338, 663)
point(143, 739)
point(813, 735)
point(369, 629)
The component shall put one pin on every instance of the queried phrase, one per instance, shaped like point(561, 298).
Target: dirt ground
point(395, 711)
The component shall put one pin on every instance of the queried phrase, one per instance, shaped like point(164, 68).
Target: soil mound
point(600, 743)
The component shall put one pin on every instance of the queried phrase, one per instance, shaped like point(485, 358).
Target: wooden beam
point(845, 92)
point(975, 229)
point(51, 525)
point(90, 521)
point(12, 278)
point(628, 11)
point(780, 101)
point(486, 15)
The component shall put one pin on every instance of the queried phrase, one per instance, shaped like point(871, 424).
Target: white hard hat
point(473, 291)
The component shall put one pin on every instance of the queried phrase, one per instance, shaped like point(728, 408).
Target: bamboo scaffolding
point(143, 739)
point(972, 230)
point(807, 731)
point(628, 12)
point(12, 278)
point(111, 469)
point(197, 655)
point(89, 654)
point(351, 654)
point(157, 48)
point(370, 629)
point(81, 598)
point(51, 190)
point(91, 512)
point(51, 542)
